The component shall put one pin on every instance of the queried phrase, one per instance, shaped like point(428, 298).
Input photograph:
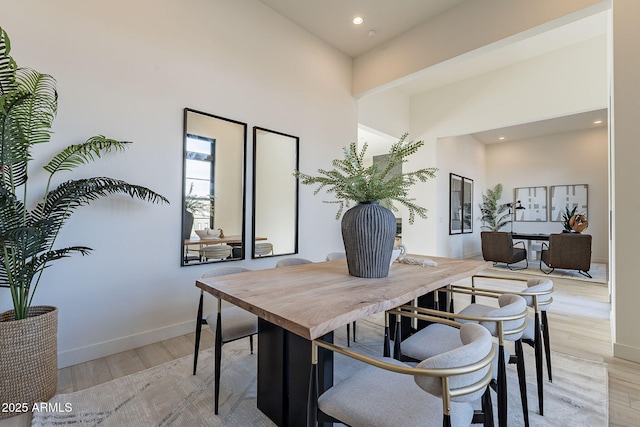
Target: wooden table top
point(311, 300)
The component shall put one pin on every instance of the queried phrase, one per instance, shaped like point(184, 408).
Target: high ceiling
point(331, 20)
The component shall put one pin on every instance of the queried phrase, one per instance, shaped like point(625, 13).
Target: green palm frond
point(7, 65)
point(350, 181)
point(36, 114)
point(14, 144)
point(79, 154)
point(62, 201)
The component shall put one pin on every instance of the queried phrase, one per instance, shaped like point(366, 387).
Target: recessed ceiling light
point(501, 138)
point(597, 122)
point(358, 20)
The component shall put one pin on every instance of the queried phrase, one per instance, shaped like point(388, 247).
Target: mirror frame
point(256, 129)
point(243, 177)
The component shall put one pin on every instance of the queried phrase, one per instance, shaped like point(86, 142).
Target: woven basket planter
point(368, 233)
point(28, 357)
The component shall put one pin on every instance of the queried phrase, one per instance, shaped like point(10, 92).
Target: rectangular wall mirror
point(460, 204)
point(213, 189)
point(530, 204)
point(275, 193)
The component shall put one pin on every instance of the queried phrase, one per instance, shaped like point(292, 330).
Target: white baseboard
point(626, 352)
point(106, 348)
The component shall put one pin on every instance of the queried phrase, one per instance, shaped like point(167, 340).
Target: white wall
point(472, 26)
point(464, 156)
point(625, 175)
point(560, 159)
point(562, 82)
point(127, 69)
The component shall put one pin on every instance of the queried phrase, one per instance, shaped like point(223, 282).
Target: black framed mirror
point(460, 204)
point(275, 193)
point(213, 213)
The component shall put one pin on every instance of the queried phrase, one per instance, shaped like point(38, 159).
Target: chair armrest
point(443, 316)
point(401, 368)
point(485, 292)
point(523, 246)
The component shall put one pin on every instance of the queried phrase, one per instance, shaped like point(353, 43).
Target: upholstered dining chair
point(439, 391)
point(263, 249)
point(215, 252)
point(498, 246)
point(228, 324)
point(285, 262)
point(505, 322)
point(538, 295)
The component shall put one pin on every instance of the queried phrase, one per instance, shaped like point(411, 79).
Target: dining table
point(300, 303)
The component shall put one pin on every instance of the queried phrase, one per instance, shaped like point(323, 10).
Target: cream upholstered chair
point(262, 249)
point(285, 262)
point(228, 324)
point(505, 322)
point(439, 391)
point(538, 295)
point(215, 252)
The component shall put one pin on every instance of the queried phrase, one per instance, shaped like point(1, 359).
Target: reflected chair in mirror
point(228, 324)
point(439, 391)
point(341, 255)
point(506, 322)
point(263, 249)
point(215, 252)
point(498, 246)
point(286, 262)
point(538, 295)
point(568, 251)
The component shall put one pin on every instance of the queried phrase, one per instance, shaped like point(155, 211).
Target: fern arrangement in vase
point(368, 229)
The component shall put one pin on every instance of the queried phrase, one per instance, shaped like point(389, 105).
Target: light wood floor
point(578, 336)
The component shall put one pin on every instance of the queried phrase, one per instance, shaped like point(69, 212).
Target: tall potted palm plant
point(28, 231)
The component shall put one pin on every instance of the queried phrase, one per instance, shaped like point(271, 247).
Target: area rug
point(597, 271)
point(168, 395)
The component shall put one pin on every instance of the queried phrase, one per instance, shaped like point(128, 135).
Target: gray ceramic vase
point(368, 233)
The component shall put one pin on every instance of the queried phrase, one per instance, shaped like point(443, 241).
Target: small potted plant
point(369, 227)
point(28, 231)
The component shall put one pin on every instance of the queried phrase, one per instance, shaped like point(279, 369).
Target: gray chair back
point(222, 271)
point(292, 261)
point(477, 344)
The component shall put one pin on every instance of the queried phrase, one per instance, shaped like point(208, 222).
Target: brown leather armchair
point(498, 246)
point(569, 251)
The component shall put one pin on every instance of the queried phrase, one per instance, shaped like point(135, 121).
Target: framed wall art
point(531, 204)
point(568, 196)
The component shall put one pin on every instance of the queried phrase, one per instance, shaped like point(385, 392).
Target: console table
point(300, 303)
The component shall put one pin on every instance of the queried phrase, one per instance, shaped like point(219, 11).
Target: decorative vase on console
point(369, 228)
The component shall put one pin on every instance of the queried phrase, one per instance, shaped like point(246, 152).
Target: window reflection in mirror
point(213, 185)
point(275, 193)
